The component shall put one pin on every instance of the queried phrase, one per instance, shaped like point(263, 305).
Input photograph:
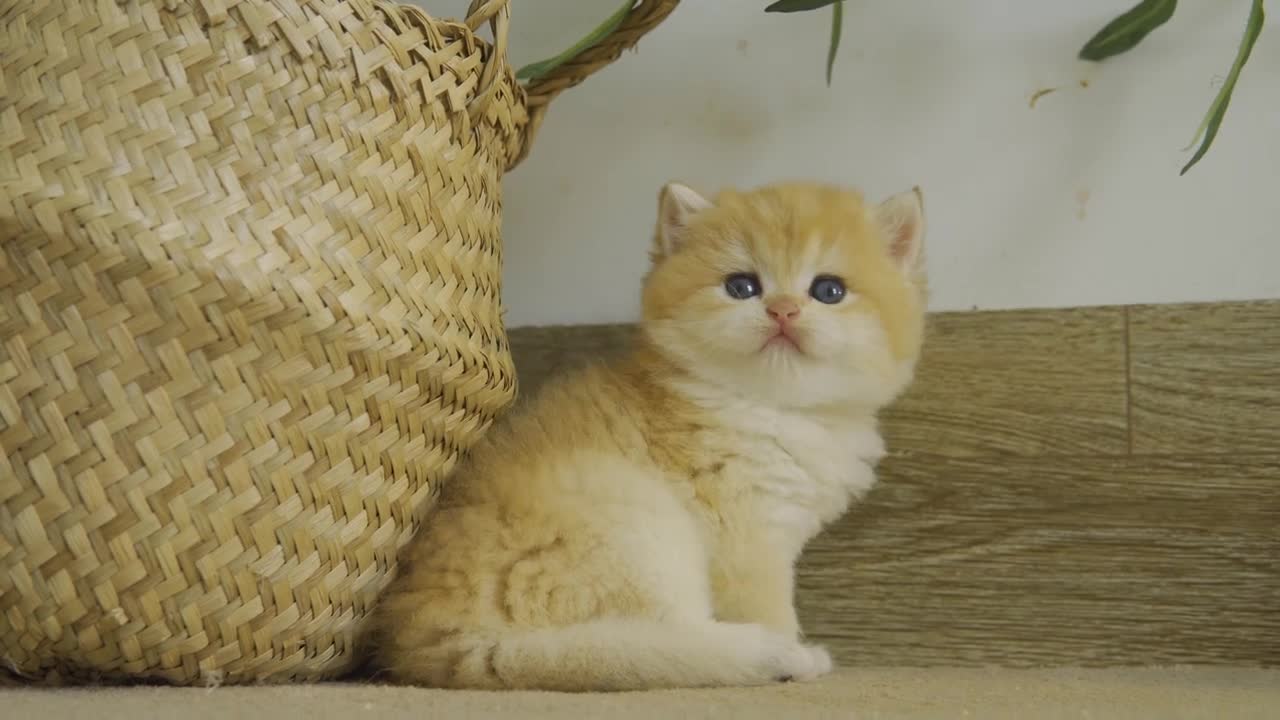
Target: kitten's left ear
point(901, 219)
point(677, 204)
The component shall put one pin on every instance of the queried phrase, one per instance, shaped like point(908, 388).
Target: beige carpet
point(889, 694)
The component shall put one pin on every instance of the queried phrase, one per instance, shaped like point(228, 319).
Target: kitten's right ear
point(677, 204)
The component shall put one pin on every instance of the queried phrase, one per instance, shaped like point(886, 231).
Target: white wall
point(1075, 202)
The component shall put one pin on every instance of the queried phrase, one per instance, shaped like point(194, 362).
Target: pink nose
point(783, 310)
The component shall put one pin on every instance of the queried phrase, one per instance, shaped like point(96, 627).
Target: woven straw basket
point(249, 316)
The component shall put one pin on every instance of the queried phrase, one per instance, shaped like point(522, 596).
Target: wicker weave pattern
point(249, 317)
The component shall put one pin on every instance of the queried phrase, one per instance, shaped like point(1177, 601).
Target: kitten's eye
point(741, 286)
point(827, 289)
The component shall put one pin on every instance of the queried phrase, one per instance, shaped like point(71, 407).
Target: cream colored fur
point(636, 524)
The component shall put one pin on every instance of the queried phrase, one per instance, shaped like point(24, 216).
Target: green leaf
point(534, 71)
point(837, 21)
point(790, 6)
point(1128, 30)
point(1208, 129)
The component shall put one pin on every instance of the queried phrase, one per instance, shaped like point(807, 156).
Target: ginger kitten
point(637, 523)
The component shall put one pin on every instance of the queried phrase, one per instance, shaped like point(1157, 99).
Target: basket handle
point(643, 17)
point(497, 14)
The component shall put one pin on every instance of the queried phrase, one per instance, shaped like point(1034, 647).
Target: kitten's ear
point(677, 204)
point(901, 219)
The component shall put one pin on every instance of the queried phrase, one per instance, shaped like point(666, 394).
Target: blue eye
point(741, 286)
point(827, 289)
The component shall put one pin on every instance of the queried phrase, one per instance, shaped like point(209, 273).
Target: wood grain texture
point(1206, 378)
point(541, 352)
point(1015, 525)
point(1022, 382)
point(1029, 561)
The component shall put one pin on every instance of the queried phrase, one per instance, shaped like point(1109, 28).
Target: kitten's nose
point(783, 310)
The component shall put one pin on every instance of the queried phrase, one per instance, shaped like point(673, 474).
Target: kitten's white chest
point(804, 469)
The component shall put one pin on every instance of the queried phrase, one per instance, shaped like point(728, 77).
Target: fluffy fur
point(636, 524)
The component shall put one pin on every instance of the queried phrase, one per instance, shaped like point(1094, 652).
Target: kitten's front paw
point(774, 657)
point(803, 663)
point(821, 660)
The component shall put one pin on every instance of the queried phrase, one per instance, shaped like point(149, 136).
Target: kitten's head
point(796, 295)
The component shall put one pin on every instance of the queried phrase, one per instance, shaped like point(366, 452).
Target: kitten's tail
point(613, 655)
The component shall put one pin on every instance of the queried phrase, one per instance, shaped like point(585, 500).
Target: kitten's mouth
point(781, 339)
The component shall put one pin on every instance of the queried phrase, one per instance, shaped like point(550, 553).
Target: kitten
point(636, 525)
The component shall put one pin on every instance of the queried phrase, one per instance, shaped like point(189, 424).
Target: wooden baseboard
point(1092, 486)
